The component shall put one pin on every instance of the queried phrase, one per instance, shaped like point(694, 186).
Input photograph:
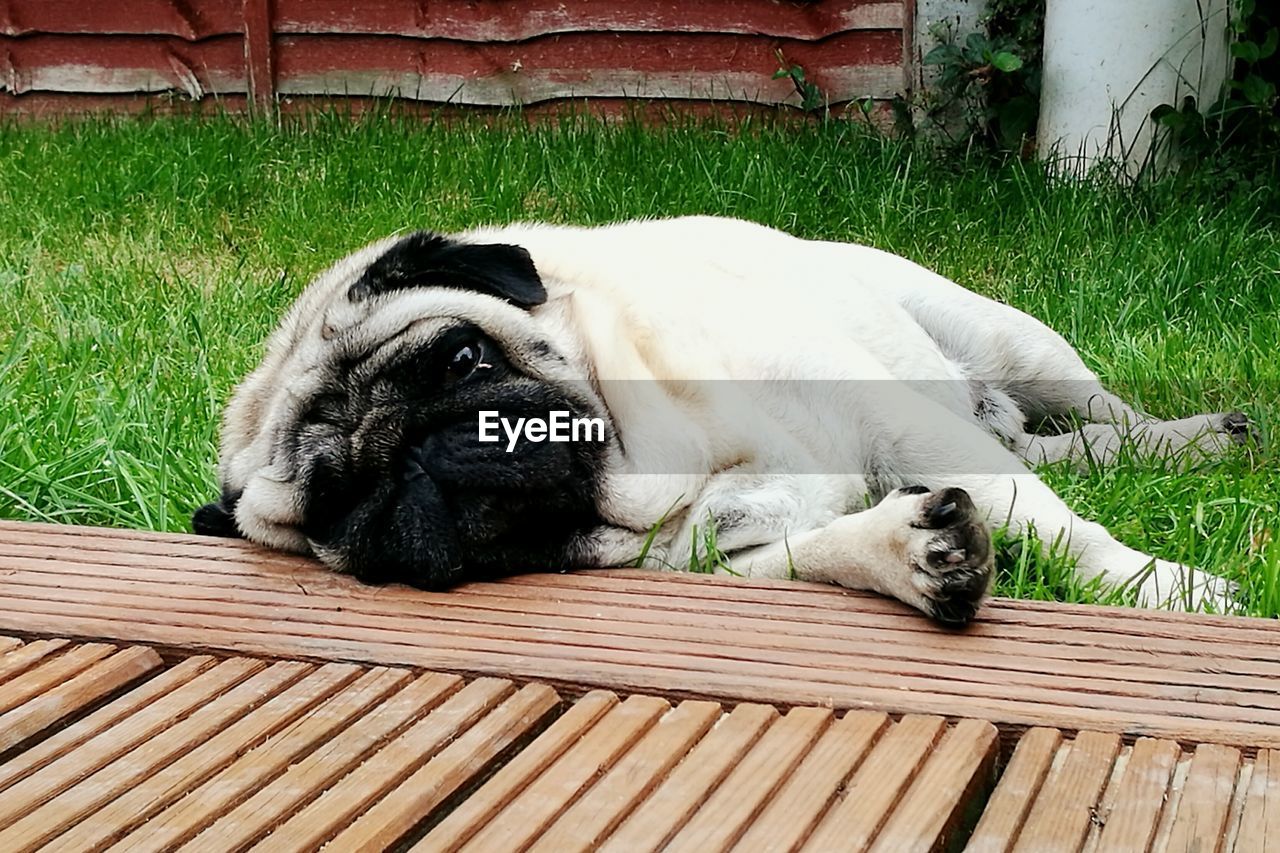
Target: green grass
point(142, 262)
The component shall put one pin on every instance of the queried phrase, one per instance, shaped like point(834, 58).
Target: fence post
point(259, 56)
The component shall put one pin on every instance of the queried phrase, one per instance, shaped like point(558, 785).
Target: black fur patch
point(425, 259)
point(218, 518)
point(399, 488)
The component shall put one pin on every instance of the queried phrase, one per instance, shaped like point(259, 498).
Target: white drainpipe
point(1109, 63)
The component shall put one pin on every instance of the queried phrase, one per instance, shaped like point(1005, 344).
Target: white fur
point(669, 301)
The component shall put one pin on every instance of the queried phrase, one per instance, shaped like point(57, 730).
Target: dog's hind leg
point(1187, 439)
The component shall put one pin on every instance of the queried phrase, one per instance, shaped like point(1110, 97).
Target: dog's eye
point(464, 361)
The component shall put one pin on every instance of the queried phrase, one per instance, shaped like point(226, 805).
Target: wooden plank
point(854, 821)
point(1130, 819)
point(310, 827)
point(477, 810)
point(259, 766)
point(72, 695)
point(50, 672)
point(953, 774)
point(791, 814)
point(1260, 819)
point(729, 809)
point(535, 808)
point(259, 54)
point(1036, 663)
point(638, 65)
point(1006, 812)
point(599, 811)
point(341, 622)
point(187, 19)
point(1022, 665)
point(18, 661)
point(110, 63)
point(458, 765)
point(490, 20)
point(90, 753)
point(39, 825)
point(251, 819)
point(1065, 807)
point(694, 779)
point(135, 805)
point(1203, 808)
point(8, 644)
point(155, 691)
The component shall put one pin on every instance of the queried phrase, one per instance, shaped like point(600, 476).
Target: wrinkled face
point(358, 438)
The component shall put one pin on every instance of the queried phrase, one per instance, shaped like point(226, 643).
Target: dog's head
point(357, 437)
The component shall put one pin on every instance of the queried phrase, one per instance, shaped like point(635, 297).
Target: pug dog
point(441, 408)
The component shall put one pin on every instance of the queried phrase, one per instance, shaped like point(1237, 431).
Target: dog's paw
point(949, 554)
point(1237, 428)
point(1172, 586)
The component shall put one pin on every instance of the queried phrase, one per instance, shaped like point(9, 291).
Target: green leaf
point(940, 55)
point(780, 73)
point(1006, 61)
point(1246, 50)
point(1256, 90)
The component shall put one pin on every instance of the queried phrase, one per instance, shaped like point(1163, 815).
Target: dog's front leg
point(928, 549)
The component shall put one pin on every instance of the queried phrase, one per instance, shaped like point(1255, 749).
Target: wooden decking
point(171, 692)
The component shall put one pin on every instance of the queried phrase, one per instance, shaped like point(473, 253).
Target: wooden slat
point(18, 661)
point(457, 766)
point(1260, 819)
point(310, 827)
point(1203, 808)
point(725, 814)
point(259, 54)
point(102, 738)
point(140, 802)
point(1007, 810)
point(790, 815)
point(952, 775)
point(51, 748)
point(8, 644)
point(38, 826)
point(996, 657)
point(188, 19)
point(307, 779)
point(258, 767)
point(51, 672)
point(466, 820)
point(1066, 805)
point(535, 808)
point(1133, 813)
point(68, 697)
point(487, 20)
point(599, 811)
point(1022, 665)
point(855, 820)
point(470, 20)
point(684, 791)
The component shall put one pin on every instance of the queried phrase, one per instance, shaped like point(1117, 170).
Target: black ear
point(217, 519)
point(430, 260)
